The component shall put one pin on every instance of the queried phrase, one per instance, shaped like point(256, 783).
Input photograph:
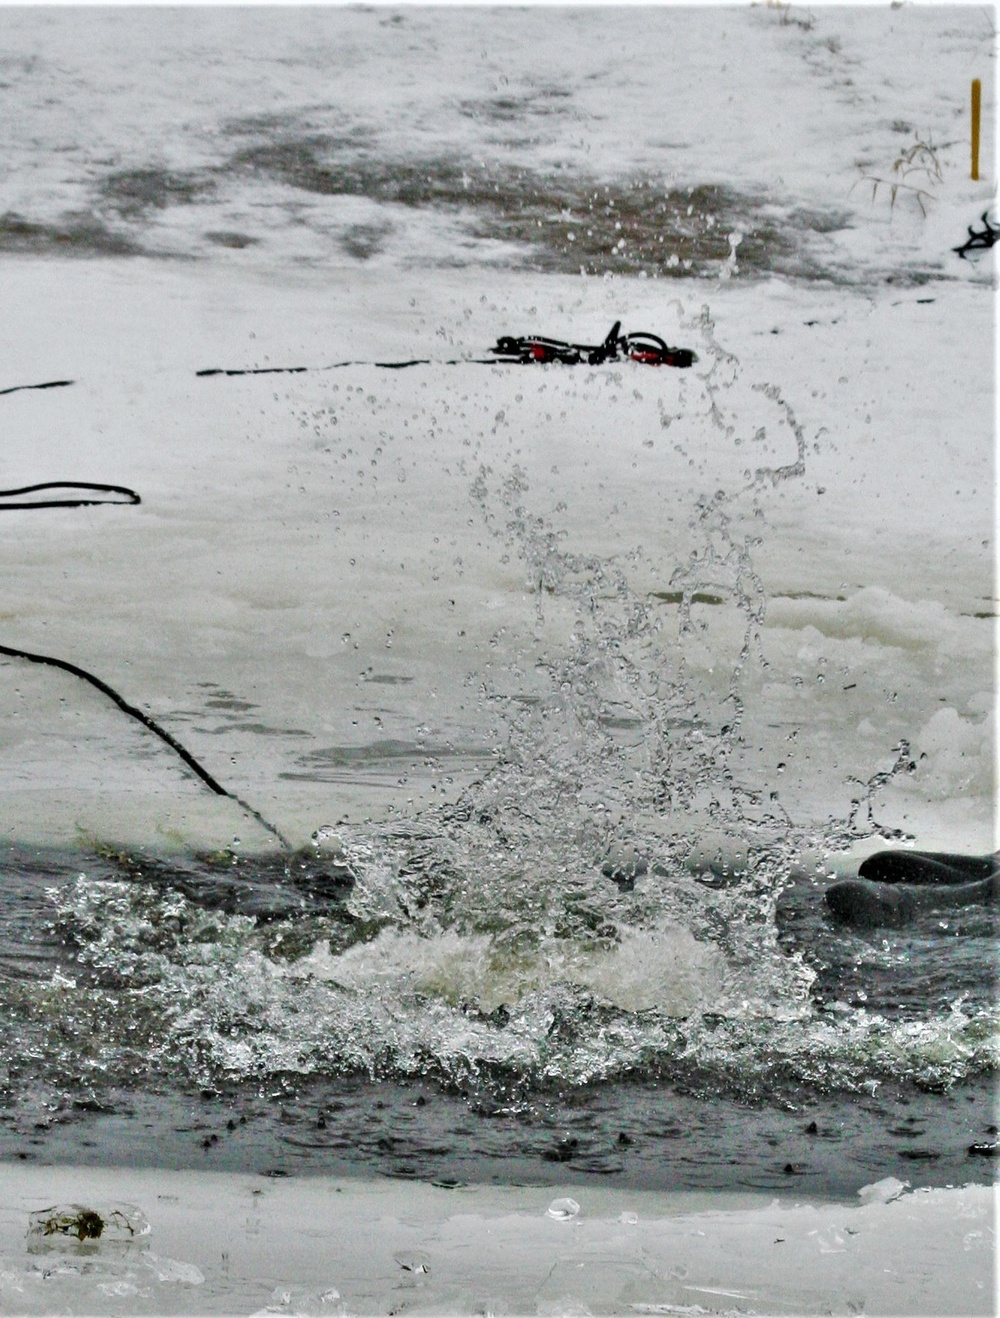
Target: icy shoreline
point(235, 1244)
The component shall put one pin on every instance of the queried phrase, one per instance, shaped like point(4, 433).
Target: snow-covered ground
point(323, 136)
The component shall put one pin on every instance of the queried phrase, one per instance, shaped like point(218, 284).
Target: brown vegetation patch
point(131, 193)
point(78, 233)
point(562, 221)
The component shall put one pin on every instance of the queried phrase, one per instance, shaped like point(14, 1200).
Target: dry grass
point(915, 172)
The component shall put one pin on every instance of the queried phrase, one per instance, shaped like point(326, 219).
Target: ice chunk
point(882, 1192)
point(174, 1270)
point(91, 1226)
point(301, 1302)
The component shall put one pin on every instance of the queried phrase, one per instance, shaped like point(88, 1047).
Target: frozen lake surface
point(545, 701)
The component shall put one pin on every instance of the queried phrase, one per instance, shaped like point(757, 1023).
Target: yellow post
point(977, 90)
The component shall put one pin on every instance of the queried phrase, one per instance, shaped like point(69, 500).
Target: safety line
point(133, 712)
point(130, 495)
point(49, 384)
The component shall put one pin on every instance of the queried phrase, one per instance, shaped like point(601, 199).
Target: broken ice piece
point(882, 1192)
point(562, 1209)
point(90, 1225)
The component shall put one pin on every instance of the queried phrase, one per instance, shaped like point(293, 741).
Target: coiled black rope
point(130, 496)
point(133, 712)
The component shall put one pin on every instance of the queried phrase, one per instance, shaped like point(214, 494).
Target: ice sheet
point(318, 570)
point(236, 1244)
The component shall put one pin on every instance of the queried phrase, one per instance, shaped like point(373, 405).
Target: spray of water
point(602, 902)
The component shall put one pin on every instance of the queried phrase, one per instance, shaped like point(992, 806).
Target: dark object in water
point(267, 888)
point(865, 904)
point(978, 241)
point(564, 1151)
point(624, 868)
point(649, 349)
point(938, 867)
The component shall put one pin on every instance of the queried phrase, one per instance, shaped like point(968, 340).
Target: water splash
point(601, 904)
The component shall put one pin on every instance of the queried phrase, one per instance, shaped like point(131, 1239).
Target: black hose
point(49, 384)
point(130, 495)
point(133, 712)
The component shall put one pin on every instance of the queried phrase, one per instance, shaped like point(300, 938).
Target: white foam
point(664, 968)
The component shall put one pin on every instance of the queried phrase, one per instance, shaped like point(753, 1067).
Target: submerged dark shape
point(866, 904)
point(265, 887)
point(649, 349)
point(934, 867)
point(623, 866)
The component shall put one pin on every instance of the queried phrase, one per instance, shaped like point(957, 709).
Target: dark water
point(108, 1059)
point(642, 1135)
